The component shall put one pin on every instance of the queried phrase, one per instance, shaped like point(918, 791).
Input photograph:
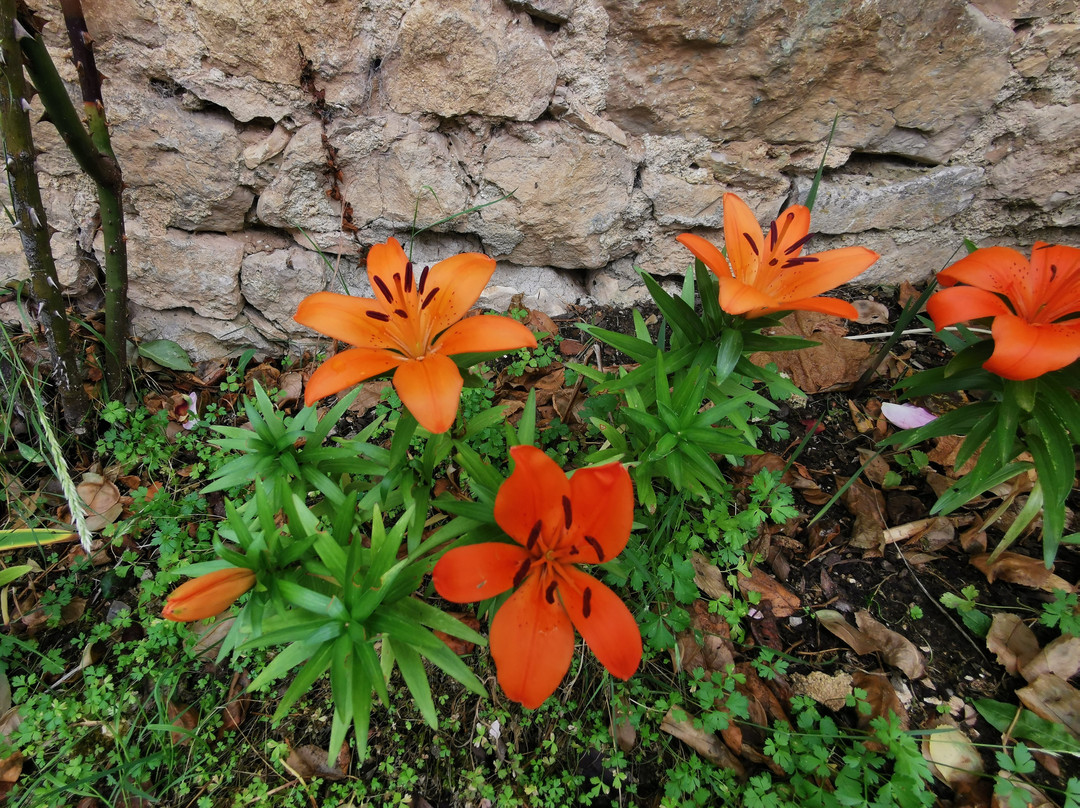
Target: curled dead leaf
point(897, 649)
point(1054, 699)
point(680, 724)
point(185, 719)
point(882, 698)
point(310, 761)
point(836, 624)
point(952, 756)
point(1060, 657)
point(1010, 639)
point(458, 645)
point(1020, 569)
point(709, 577)
point(102, 500)
point(622, 729)
point(777, 598)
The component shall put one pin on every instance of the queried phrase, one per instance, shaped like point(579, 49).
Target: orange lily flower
point(556, 524)
point(413, 329)
point(207, 595)
point(1035, 305)
point(766, 276)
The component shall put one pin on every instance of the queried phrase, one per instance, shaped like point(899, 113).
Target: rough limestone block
point(460, 57)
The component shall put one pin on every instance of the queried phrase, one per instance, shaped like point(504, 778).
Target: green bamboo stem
point(32, 225)
point(93, 152)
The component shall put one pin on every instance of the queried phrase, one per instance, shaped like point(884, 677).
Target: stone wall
point(616, 124)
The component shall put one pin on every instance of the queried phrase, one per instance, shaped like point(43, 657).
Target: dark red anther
point(523, 570)
point(593, 543)
point(534, 534)
point(384, 289)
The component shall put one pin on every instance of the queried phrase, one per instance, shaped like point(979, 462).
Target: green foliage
point(1062, 613)
point(1039, 416)
point(965, 604)
point(831, 767)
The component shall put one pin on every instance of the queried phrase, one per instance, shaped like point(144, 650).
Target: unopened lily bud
point(207, 595)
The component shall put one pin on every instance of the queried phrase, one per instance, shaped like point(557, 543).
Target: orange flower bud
point(207, 595)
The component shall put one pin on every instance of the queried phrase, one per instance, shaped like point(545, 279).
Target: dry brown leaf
point(832, 364)
point(944, 454)
point(952, 756)
point(1035, 798)
point(310, 761)
point(706, 744)
point(371, 393)
point(831, 691)
point(897, 649)
point(709, 578)
point(755, 689)
point(1010, 639)
point(102, 499)
point(10, 769)
point(622, 730)
point(458, 645)
point(776, 599)
point(540, 323)
point(1054, 699)
point(863, 422)
point(714, 652)
point(835, 623)
point(868, 506)
point(571, 348)
point(875, 467)
point(1020, 569)
point(290, 388)
point(1061, 657)
point(210, 636)
point(906, 293)
point(237, 703)
point(881, 696)
point(183, 717)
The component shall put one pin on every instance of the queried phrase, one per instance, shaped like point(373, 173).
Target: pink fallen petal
point(906, 416)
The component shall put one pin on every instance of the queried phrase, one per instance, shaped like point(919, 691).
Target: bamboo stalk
point(31, 223)
point(93, 151)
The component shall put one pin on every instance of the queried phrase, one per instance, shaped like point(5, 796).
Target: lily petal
point(347, 368)
point(602, 499)
point(709, 255)
point(459, 280)
point(962, 303)
point(478, 571)
point(532, 643)
point(1057, 285)
point(906, 416)
point(604, 622)
point(995, 269)
point(208, 594)
point(344, 318)
point(742, 239)
point(383, 261)
point(430, 388)
point(486, 332)
point(737, 297)
point(826, 271)
point(790, 231)
point(825, 305)
point(1025, 351)
point(533, 493)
